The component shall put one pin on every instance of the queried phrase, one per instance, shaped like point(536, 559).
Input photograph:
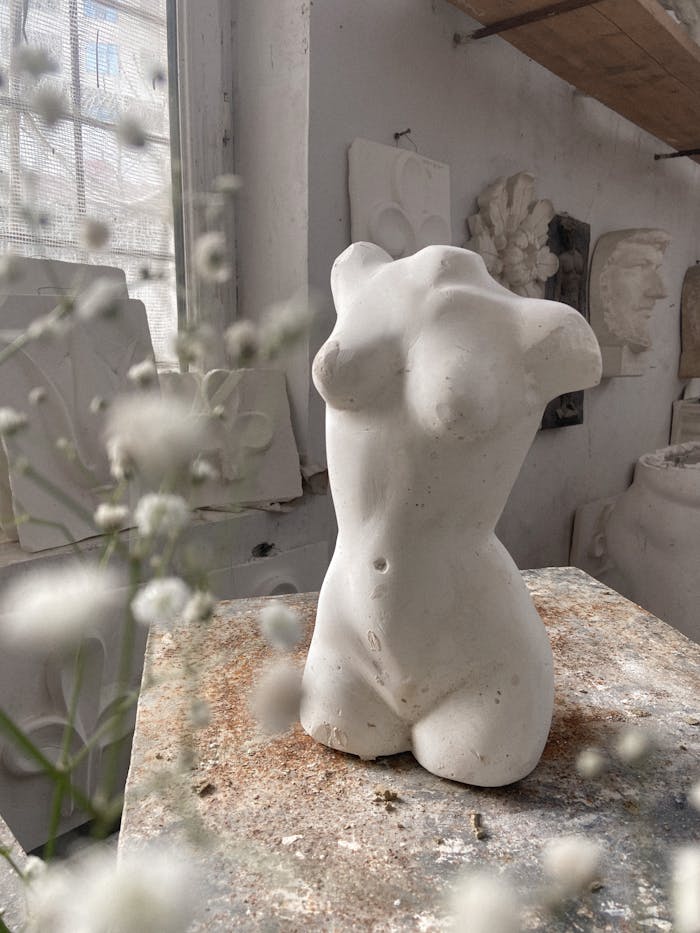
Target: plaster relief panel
point(254, 453)
point(510, 233)
point(569, 240)
point(63, 438)
point(398, 199)
point(625, 283)
point(690, 325)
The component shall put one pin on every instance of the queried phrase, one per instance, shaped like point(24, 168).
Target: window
point(107, 57)
point(102, 59)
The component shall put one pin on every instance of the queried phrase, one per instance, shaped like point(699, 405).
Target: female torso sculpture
point(426, 639)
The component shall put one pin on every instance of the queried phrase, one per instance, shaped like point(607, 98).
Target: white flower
point(152, 890)
point(94, 233)
point(633, 746)
point(202, 470)
point(572, 863)
point(34, 868)
point(280, 626)
point(50, 104)
point(102, 298)
point(37, 395)
point(193, 345)
point(694, 796)
point(242, 343)
point(276, 698)
point(34, 60)
point(199, 607)
point(685, 890)
point(11, 421)
point(591, 763)
point(110, 517)
point(284, 324)
point(484, 903)
point(161, 514)
point(161, 601)
point(55, 607)
point(143, 373)
point(53, 324)
point(159, 434)
point(211, 257)
point(510, 233)
point(97, 404)
point(130, 131)
point(227, 184)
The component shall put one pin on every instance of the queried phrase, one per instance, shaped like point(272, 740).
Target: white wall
point(270, 144)
point(486, 110)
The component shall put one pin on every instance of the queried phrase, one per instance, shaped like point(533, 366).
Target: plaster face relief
point(510, 232)
point(435, 378)
point(625, 284)
point(398, 199)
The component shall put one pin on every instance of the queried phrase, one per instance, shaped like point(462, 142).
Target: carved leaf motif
point(521, 189)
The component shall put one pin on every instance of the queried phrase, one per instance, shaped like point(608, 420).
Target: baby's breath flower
point(103, 298)
point(34, 61)
point(53, 608)
point(97, 404)
point(685, 889)
point(161, 514)
point(284, 324)
point(202, 470)
point(591, 763)
point(193, 345)
point(109, 517)
point(211, 257)
point(50, 104)
point(66, 447)
point(227, 184)
point(130, 131)
point(161, 601)
point(572, 863)
point(158, 434)
point(94, 233)
point(34, 868)
point(53, 324)
point(93, 892)
point(242, 343)
point(276, 698)
point(37, 395)
point(634, 746)
point(11, 421)
point(199, 607)
point(485, 903)
point(10, 267)
point(143, 373)
point(280, 626)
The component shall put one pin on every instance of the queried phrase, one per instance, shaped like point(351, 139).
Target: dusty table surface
point(12, 902)
point(295, 837)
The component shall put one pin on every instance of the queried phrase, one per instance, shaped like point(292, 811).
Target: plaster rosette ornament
point(510, 233)
point(625, 283)
point(435, 378)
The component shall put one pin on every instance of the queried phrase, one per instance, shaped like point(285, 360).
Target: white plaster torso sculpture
point(435, 378)
point(625, 283)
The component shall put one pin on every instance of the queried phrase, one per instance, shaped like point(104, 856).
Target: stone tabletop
point(296, 836)
point(12, 903)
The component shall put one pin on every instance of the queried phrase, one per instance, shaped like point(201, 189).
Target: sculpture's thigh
point(478, 741)
point(341, 709)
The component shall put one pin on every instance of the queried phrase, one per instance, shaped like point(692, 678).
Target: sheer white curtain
point(112, 60)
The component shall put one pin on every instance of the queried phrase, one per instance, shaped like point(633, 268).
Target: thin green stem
point(17, 344)
point(31, 751)
point(5, 853)
point(108, 551)
point(123, 707)
point(59, 494)
point(63, 762)
point(24, 519)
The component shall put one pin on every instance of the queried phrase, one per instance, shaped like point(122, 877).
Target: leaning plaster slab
point(426, 638)
point(625, 283)
point(685, 421)
point(398, 199)
point(89, 360)
point(689, 367)
point(254, 449)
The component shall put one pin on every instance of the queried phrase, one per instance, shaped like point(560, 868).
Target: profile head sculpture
point(626, 282)
point(435, 378)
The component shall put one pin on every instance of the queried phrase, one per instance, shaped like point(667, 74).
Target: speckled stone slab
point(12, 902)
point(300, 837)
